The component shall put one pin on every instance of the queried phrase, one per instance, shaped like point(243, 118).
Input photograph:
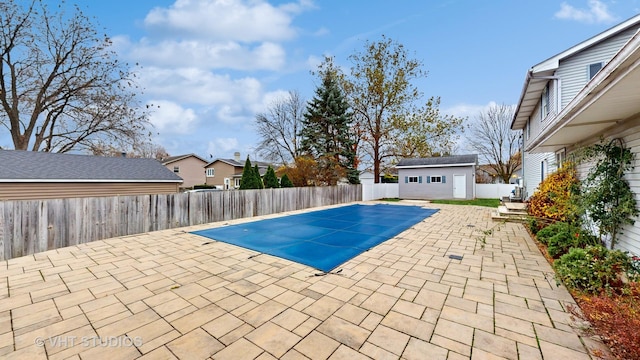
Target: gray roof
point(232, 162)
point(20, 165)
point(436, 161)
point(170, 159)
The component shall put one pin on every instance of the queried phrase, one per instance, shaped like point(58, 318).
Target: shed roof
point(442, 161)
point(24, 166)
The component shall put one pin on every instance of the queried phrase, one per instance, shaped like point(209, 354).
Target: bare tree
point(146, 149)
point(491, 136)
point(61, 88)
point(279, 129)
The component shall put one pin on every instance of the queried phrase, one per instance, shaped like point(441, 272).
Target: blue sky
point(212, 65)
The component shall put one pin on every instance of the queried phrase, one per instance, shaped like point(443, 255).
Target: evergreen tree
point(270, 179)
point(285, 182)
point(248, 180)
point(326, 132)
point(258, 178)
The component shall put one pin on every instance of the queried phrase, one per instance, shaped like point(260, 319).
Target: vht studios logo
point(89, 341)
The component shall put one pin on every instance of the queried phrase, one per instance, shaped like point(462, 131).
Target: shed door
point(460, 186)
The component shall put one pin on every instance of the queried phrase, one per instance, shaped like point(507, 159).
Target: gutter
point(527, 80)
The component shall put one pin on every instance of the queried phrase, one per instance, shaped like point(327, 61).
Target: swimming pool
point(322, 239)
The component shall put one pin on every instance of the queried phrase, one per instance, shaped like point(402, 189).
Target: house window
point(545, 101)
point(176, 169)
point(561, 157)
point(436, 179)
point(413, 179)
point(211, 172)
point(594, 68)
point(236, 182)
point(543, 168)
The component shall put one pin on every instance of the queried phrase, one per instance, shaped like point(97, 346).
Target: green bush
point(534, 227)
point(548, 232)
point(203, 186)
point(593, 269)
point(560, 237)
point(285, 182)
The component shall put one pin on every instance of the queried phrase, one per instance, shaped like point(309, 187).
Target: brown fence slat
point(32, 226)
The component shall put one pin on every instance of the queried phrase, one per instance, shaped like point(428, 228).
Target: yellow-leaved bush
point(555, 197)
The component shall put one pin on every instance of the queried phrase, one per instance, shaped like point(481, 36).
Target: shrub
point(203, 186)
point(608, 198)
point(593, 269)
point(534, 227)
point(270, 179)
point(560, 237)
point(285, 182)
point(555, 198)
point(548, 232)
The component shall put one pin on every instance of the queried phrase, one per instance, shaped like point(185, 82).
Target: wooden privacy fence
point(31, 226)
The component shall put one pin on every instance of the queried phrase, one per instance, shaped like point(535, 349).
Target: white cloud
point(198, 86)
point(598, 12)
point(467, 110)
point(169, 117)
point(194, 60)
point(220, 146)
point(210, 55)
point(239, 20)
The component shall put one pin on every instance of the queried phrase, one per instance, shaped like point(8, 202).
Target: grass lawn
point(480, 202)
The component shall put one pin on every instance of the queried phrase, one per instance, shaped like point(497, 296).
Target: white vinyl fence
point(483, 191)
point(493, 191)
point(380, 191)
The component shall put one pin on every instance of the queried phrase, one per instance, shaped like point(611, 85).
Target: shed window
point(176, 169)
point(436, 179)
point(211, 172)
point(413, 179)
point(593, 69)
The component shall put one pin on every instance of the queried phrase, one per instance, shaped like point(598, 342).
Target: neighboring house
point(366, 177)
point(226, 173)
point(549, 98)
point(485, 174)
point(597, 87)
point(189, 167)
point(450, 177)
point(31, 175)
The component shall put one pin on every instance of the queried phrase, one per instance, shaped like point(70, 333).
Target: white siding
point(573, 71)
point(432, 191)
point(629, 240)
point(533, 170)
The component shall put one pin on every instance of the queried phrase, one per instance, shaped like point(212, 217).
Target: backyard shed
point(32, 175)
point(446, 177)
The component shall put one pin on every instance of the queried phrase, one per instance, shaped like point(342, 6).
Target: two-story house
point(575, 98)
point(189, 167)
point(226, 173)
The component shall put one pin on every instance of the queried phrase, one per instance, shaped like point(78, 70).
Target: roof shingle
point(43, 166)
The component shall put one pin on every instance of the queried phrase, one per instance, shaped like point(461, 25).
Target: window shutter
point(444, 179)
point(419, 179)
point(406, 179)
point(428, 179)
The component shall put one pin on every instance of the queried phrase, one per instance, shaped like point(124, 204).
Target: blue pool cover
point(322, 239)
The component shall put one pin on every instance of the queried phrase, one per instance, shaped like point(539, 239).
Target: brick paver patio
point(167, 294)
